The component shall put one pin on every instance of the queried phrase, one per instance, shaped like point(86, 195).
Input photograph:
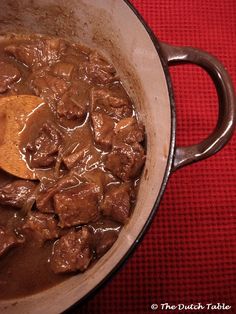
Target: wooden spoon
point(14, 113)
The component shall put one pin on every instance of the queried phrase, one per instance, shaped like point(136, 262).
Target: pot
point(117, 30)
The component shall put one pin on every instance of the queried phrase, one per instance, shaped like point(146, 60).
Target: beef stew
point(86, 145)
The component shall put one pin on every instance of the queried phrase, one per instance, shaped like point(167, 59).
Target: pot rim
point(169, 164)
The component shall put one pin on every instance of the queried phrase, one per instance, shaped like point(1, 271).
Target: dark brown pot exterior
point(227, 103)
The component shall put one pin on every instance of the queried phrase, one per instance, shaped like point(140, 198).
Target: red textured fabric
point(189, 253)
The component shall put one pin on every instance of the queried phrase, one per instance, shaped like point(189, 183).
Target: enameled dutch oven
point(115, 28)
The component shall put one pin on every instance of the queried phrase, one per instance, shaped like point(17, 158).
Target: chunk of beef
point(45, 148)
point(8, 240)
point(84, 158)
point(103, 126)
point(128, 131)
point(99, 177)
point(16, 193)
point(104, 241)
point(9, 74)
point(63, 70)
point(66, 181)
point(72, 252)
point(44, 200)
point(116, 203)
point(37, 52)
point(78, 205)
point(75, 158)
point(99, 70)
point(113, 102)
point(105, 234)
point(49, 87)
point(76, 58)
point(42, 226)
point(73, 107)
point(126, 161)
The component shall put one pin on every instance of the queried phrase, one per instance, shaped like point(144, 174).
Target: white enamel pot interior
point(113, 28)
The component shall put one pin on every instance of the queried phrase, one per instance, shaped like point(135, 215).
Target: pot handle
point(227, 103)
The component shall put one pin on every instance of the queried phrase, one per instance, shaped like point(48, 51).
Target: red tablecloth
point(189, 253)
